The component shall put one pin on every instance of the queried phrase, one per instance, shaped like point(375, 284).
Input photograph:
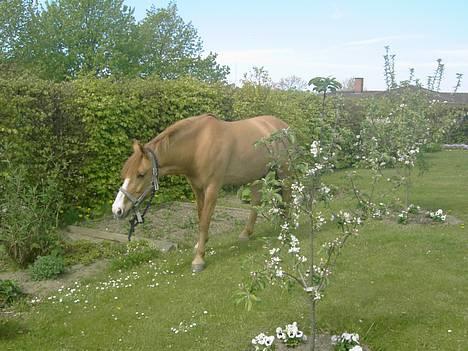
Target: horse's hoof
point(243, 238)
point(197, 268)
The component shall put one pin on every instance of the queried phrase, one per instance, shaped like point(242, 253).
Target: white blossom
point(315, 148)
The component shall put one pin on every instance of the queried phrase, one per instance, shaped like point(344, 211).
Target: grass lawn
point(400, 287)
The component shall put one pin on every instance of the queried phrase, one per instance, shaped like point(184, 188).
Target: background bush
point(9, 292)
point(84, 127)
point(47, 267)
point(29, 213)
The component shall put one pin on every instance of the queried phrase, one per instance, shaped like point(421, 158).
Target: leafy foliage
point(172, 48)
point(82, 125)
point(15, 17)
point(29, 214)
point(77, 127)
point(47, 267)
point(66, 39)
point(9, 292)
point(324, 85)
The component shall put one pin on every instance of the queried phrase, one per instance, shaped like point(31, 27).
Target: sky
point(343, 39)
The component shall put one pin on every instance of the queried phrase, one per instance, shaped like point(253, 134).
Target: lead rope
point(137, 216)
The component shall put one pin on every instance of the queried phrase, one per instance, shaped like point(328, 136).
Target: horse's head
point(139, 175)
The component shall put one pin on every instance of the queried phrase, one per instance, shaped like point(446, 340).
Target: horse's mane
point(131, 165)
point(184, 123)
point(162, 139)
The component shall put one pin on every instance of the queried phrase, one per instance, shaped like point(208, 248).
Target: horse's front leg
point(209, 203)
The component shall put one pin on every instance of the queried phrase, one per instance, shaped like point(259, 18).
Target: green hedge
point(84, 127)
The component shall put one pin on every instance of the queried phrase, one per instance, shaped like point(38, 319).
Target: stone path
point(82, 233)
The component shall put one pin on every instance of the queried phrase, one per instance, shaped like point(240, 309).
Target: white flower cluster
point(438, 215)
point(274, 262)
point(292, 242)
point(347, 218)
point(349, 340)
point(284, 232)
point(315, 291)
point(403, 217)
point(290, 335)
point(378, 211)
point(297, 189)
point(315, 148)
point(321, 270)
point(325, 191)
point(409, 157)
point(294, 245)
point(263, 342)
point(183, 327)
point(413, 209)
point(274, 211)
point(319, 221)
point(314, 169)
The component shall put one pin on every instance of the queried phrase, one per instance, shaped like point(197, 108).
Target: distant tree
point(172, 48)
point(323, 85)
point(459, 77)
point(257, 76)
point(389, 69)
point(292, 83)
point(70, 37)
point(61, 39)
point(348, 84)
point(433, 82)
point(411, 76)
point(15, 19)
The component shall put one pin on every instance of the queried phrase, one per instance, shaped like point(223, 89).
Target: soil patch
point(175, 222)
point(45, 287)
point(322, 343)
point(423, 218)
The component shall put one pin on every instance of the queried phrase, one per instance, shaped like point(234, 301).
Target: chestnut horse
point(209, 153)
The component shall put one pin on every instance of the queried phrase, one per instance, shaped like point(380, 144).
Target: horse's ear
point(137, 147)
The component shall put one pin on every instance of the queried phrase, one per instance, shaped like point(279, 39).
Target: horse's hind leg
point(200, 198)
point(210, 197)
point(255, 200)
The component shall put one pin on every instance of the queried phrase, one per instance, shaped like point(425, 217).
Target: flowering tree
point(301, 208)
point(394, 133)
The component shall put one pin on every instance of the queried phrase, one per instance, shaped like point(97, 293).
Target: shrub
point(29, 214)
point(47, 267)
point(84, 124)
point(9, 292)
point(87, 123)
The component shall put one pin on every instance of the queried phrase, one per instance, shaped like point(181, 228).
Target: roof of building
point(453, 98)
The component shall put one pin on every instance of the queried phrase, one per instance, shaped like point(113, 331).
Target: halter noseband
point(138, 217)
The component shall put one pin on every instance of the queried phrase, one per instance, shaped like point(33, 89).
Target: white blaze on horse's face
point(118, 207)
point(137, 175)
